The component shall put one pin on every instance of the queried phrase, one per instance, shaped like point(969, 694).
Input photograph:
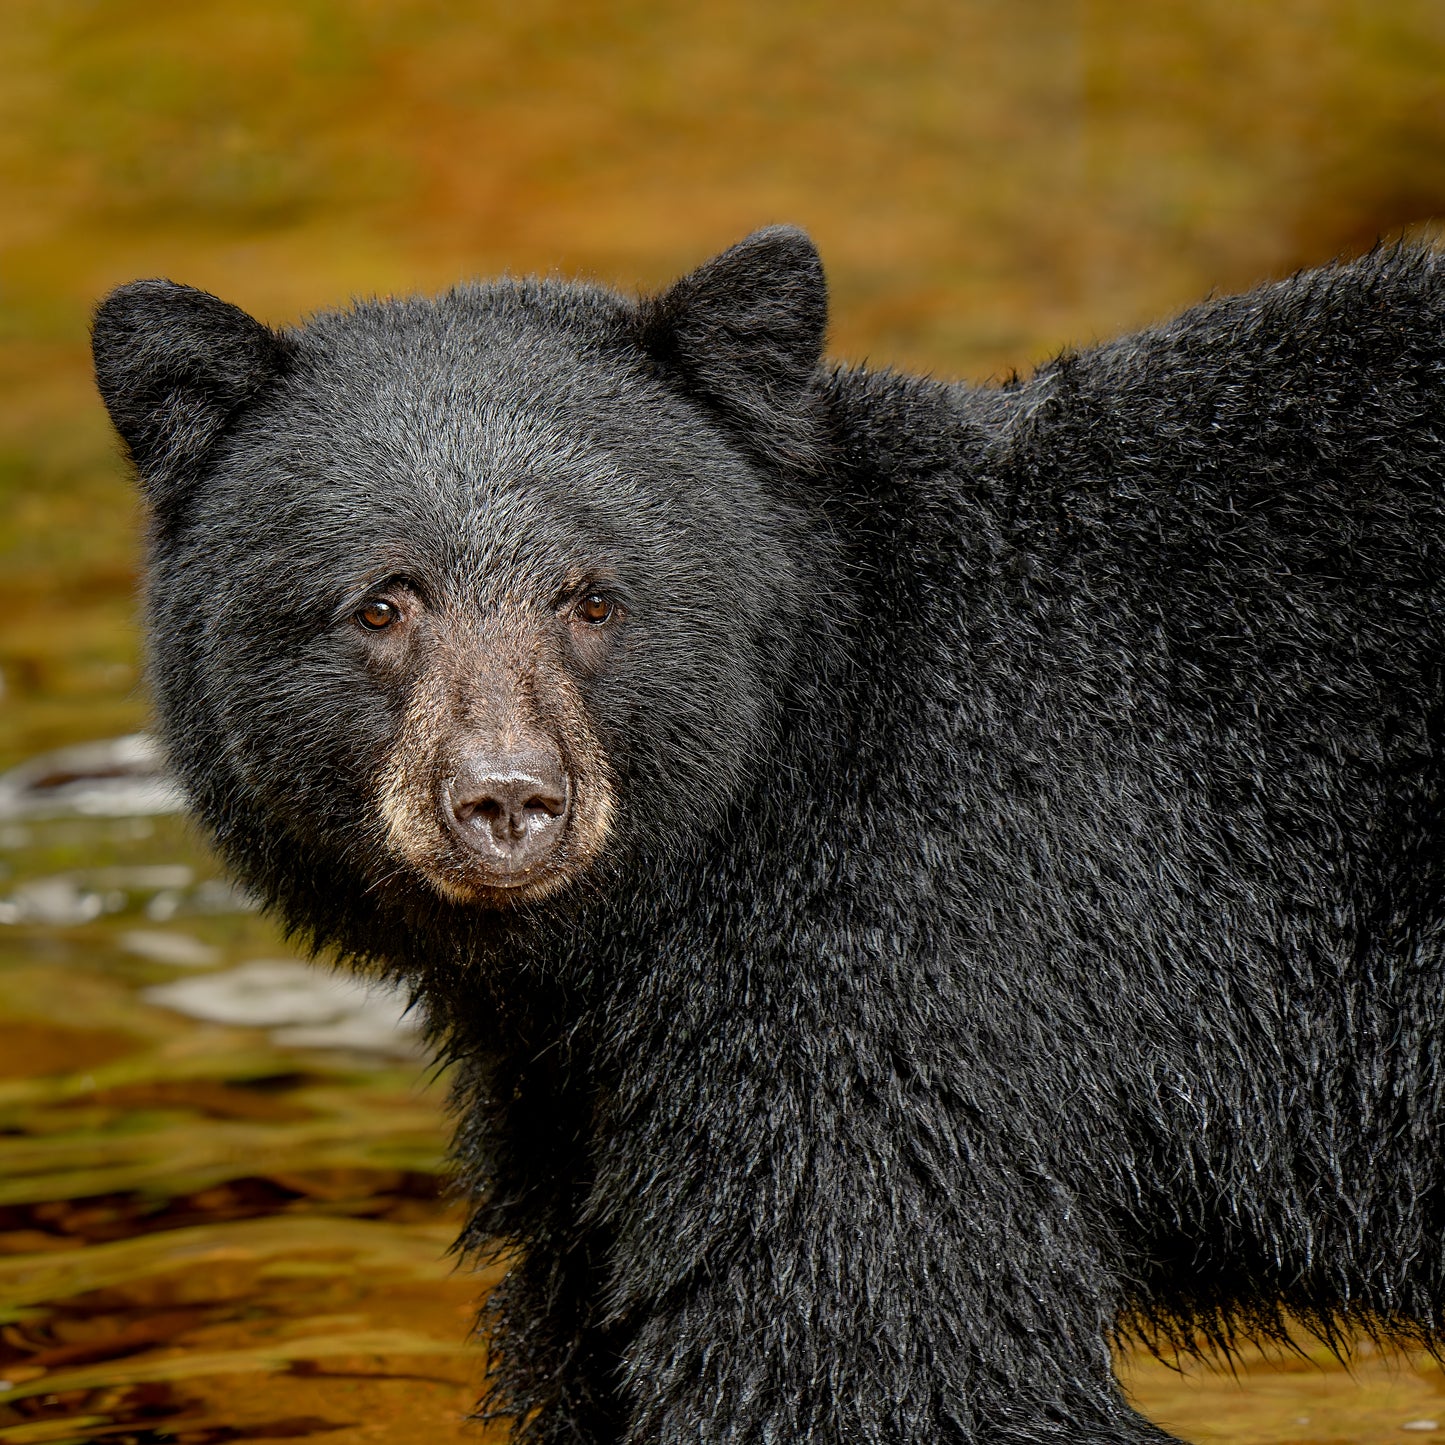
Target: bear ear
point(174, 365)
point(745, 332)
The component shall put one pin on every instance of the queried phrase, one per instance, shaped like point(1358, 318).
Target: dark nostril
point(494, 800)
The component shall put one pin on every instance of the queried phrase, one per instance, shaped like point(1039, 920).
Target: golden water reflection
point(205, 1235)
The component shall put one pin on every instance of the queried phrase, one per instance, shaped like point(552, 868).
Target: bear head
point(478, 595)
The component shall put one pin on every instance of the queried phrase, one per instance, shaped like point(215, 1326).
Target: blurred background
point(221, 1204)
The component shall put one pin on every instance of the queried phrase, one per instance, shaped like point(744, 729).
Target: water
point(222, 1207)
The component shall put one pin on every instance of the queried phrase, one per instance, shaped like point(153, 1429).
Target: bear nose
point(511, 808)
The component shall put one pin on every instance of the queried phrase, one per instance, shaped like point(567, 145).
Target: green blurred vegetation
point(988, 181)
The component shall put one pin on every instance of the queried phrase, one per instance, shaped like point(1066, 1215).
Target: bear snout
point(509, 808)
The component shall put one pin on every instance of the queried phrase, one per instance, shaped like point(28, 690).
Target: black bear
point(917, 880)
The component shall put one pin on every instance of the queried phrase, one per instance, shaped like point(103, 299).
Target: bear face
point(453, 595)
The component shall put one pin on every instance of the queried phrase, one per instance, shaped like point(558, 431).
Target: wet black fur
point(1025, 917)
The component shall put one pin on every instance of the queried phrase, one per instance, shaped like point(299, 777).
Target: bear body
point(916, 879)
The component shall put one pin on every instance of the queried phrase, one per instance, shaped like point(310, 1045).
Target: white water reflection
point(122, 777)
point(304, 1005)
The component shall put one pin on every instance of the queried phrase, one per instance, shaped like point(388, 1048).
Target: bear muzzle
point(509, 809)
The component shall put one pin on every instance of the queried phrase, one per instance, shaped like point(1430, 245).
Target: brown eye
point(594, 608)
point(378, 614)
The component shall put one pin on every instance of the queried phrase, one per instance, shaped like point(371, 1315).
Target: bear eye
point(594, 608)
point(378, 614)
